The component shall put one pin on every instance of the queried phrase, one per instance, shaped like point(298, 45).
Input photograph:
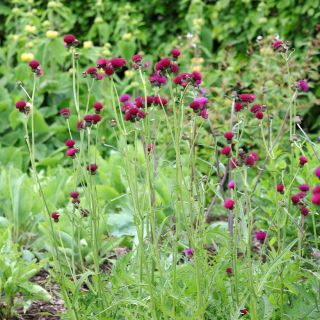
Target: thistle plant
point(159, 128)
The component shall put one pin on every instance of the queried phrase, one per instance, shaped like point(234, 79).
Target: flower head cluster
point(243, 100)
point(298, 199)
point(132, 110)
point(248, 159)
point(93, 73)
point(137, 62)
point(199, 106)
point(71, 151)
point(75, 198)
point(183, 79)
point(258, 110)
point(111, 66)
point(157, 80)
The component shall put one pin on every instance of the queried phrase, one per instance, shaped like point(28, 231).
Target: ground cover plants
point(162, 184)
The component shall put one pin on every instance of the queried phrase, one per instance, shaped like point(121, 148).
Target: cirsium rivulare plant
point(159, 130)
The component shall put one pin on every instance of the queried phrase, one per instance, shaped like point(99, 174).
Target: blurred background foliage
point(217, 35)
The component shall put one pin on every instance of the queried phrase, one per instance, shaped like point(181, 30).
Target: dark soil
point(40, 310)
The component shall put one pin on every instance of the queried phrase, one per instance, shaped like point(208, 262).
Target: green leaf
point(35, 291)
point(127, 49)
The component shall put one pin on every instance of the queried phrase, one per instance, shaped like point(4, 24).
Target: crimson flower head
point(296, 198)
point(316, 199)
point(124, 98)
point(226, 151)
point(196, 77)
point(189, 252)
point(305, 211)
point(316, 190)
point(303, 160)
point(304, 187)
point(231, 184)
point(229, 271)
point(229, 204)
point(65, 112)
point(229, 135)
point(81, 125)
point(92, 72)
point(255, 108)
point(98, 106)
point(88, 119)
point(204, 114)
point(243, 311)
point(162, 65)
point(74, 194)
point(22, 106)
point(238, 107)
point(250, 160)
point(157, 80)
point(137, 58)
point(127, 106)
point(183, 79)
point(34, 64)
point(102, 63)
point(254, 155)
point(96, 118)
point(261, 236)
point(134, 114)
point(303, 86)
point(174, 68)
point(259, 115)
point(108, 69)
point(71, 152)
point(70, 40)
point(70, 143)
point(55, 216)
point(92, 168)
point(139, 101)
point(160, 101)
point(247, 97)
point(317, 172)
point(175, 53)
point(198, 105)
point(277, 44)
point(280, 188)
point(118, 63)
point(35, 67)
